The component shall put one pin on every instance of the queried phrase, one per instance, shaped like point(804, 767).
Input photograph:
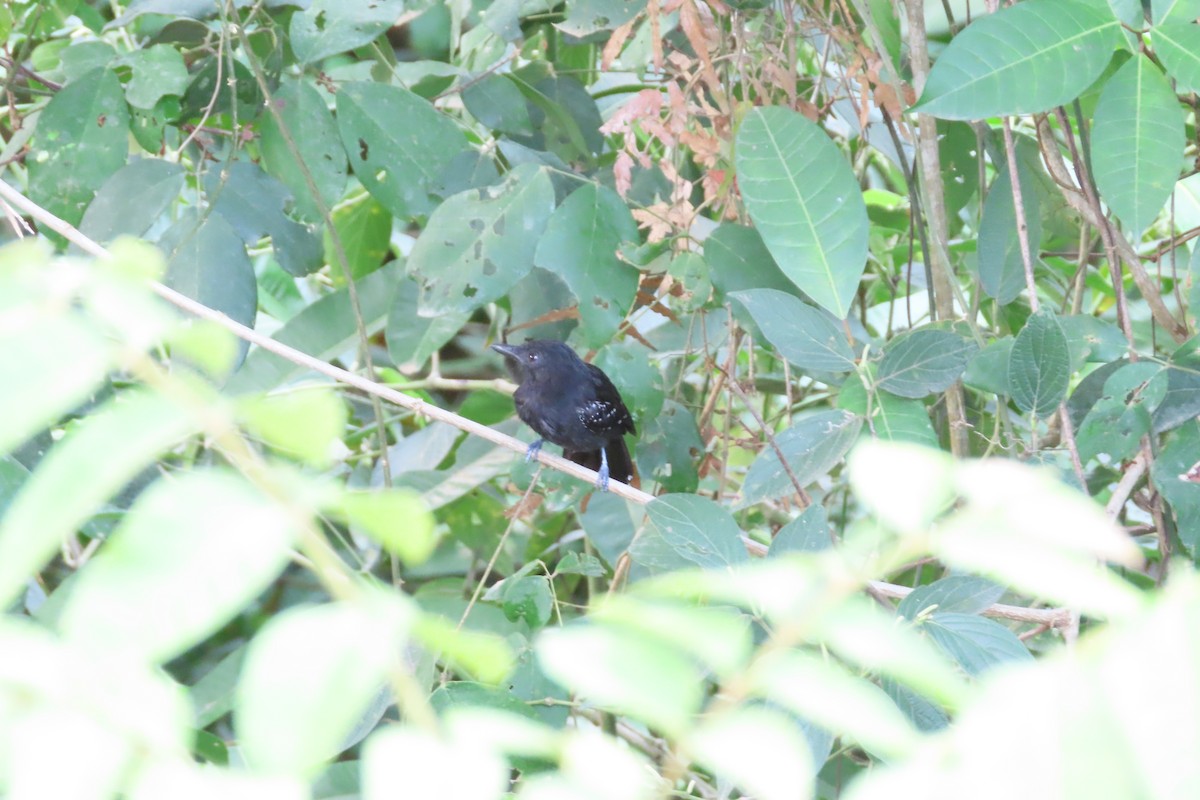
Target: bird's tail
point(620, 464)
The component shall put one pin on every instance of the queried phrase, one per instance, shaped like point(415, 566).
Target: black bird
point(572, 404)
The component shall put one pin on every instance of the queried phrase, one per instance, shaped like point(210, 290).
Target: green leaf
point(403, 761)
point(411, 338)
point(1177, 44)
point(719, 638)
point(158, 71)
point(975, 643)
point(132, 199)
point(528, 598)
point(1024, 59)
point(82, 138)
point(823, 692)
point(689, 530)
point(1039, 366)
point(304, 423)
point(1164, 11)
point(806, 203)
point(812, 447)
point(669, 448)
point(479, 243)
point(212, 695)
point(592, 660)
point(99, 456)
point(923, 362)
point(961, 594)
point(48, 365)
point(207, 262)
point(807, 533)
point(308, 676)
point(807, 337)
point(498, 104)
point(205, 535)
point(315, 133)
point(571, 563)
point(740, 260)
point(252, 202)
point(987, 370)
point(580, 245)
point(1117, 421)
point(1092, 340)
point(399, 144)
point(586, 17)
point(758, 749)
point(923, 714)
point(1173, 461)
point(1001, 265)
point(1137, 143)
point(324, 330)
point(365, 231)
point(329, 27)
point(891, 418)
point(398, 519)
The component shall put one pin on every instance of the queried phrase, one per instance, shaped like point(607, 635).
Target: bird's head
point(535, 359)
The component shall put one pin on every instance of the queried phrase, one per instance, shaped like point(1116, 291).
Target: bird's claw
point(602, 478)
point(534, 449)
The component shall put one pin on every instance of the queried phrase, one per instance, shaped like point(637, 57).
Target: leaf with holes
point(480, 242)
point(399, 145)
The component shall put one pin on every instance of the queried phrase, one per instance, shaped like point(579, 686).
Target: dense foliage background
point(910, 430)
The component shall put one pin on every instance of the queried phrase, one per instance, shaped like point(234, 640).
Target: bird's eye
point(532, 356)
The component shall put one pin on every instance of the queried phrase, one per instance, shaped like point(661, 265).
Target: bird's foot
point(602, 473)
point(534, 449)
point(602, 481)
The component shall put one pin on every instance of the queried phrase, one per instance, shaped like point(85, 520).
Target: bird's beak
point(506, 350)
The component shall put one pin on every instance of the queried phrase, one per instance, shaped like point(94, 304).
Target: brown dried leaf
point(616, 43)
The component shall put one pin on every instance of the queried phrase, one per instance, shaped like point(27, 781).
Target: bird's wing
point(606, 412)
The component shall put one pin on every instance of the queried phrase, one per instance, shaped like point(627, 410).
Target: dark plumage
point(572, 404)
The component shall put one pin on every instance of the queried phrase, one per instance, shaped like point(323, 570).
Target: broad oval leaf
point(303, 111)
point(480, 242)
point(975, 643)
point(759, 749)
point(132, 199)
point(924, 362)
point(1039, 365)
point(806, 203)
point(892, 418)
point(100, 455)
point(580, 246)
point(208, 262)
point(961, 594)
point(205, 535)
point(697, 530)
point(812, 446)
point(329, 27)
point(310, 674)
point(1177, 44)
point(399, 144)
point(1027, 58)
point(805, 336)
point(1137, 143)
point(590, 660)
point(82, 138)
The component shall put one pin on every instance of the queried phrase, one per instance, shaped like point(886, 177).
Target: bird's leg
point(602, 481)
point(534, 449)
